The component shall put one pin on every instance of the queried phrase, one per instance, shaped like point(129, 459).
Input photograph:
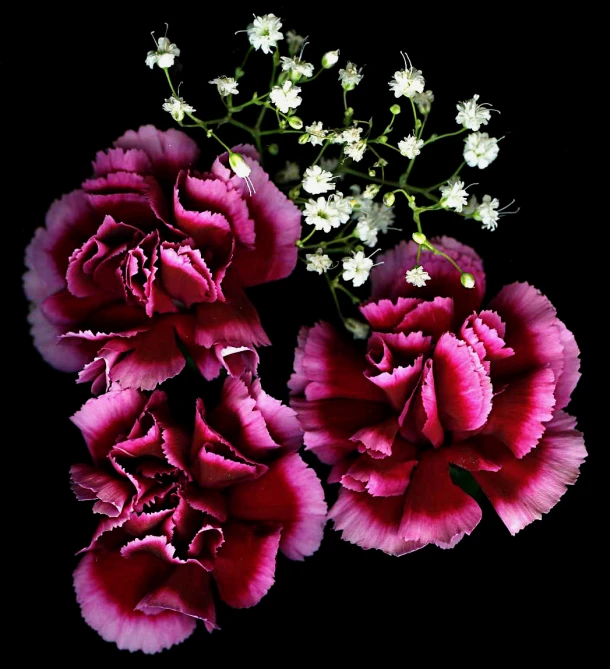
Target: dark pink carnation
point(442, 389)
point(148, 261)
point(186, 513)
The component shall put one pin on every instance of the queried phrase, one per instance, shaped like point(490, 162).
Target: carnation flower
point(149, 259)
point(444, 390)
point(188, 516)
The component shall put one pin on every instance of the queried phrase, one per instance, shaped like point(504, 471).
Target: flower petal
point(291, 494)
point(526, 488)
point(245, 565)
point(108, 588)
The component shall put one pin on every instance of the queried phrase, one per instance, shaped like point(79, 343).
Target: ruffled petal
point(108, 588)
point(523, 489)
point(371, 522)
point(245, 565)
point(436, 510)
point(290, 494)
point(521, 411)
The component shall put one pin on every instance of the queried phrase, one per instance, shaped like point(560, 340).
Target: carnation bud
point(395, 109)
point(329, 59)
point(467, 280)
point(419, 238)
point(388, 199)
point(295, 122)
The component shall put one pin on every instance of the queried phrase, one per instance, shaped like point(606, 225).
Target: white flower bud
point(330, 59)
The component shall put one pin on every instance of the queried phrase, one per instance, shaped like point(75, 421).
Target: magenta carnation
point(184, 511)
point(148, 260)
point(443, 390)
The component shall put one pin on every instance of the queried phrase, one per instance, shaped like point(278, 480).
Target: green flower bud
point(295, 122)
point(294, 193)
point(419, 238)
point(388, 199)
point(303, 139)
point(372, 173)
point(382, 139)
point(467, 280)
point(273, 149)
point(395, 109)
point(329, 59)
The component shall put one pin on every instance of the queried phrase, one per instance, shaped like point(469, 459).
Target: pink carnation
point(442, 390)
point(148, 261)
point(187, 513)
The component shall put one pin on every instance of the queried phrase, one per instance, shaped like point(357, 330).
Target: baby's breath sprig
point(353, 157)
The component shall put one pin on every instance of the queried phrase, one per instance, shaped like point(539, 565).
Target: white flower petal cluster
point(367, 232)
point(296, 66)
point(355, 151)
point(357, 268)
point(349, 136)
point(480, 149)
point(410, 146)
point(165, 54)
point(417, 276)
point(471, 114)
point(486, 212)
point(290, 172)
point(350, 77)
point(225, 85)
point(264, 32)
point(294, 42)
point(286, 96)
point(326, 214)
point(453, 195)
point(177, 107)
point(318, 262)
point(316, 132)
point(408, 82)
point(316, 180)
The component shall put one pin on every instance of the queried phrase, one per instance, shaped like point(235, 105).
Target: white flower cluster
point(316, 180)
point(264, 32)
point(471, 114)
point(408, 82)
point(417, 276)
point(410, 146)
point(327, 214)
point(480, 149)
point(453, 195)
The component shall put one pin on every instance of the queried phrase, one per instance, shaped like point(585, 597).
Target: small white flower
point(316, 180)
point(480, 149)
point(342, 206)
point(357, 268)
point(318, 262)
point(410, 146)
point(417, 276)
point(367, 232)
point(350, 77)
point(488, 212)
point(177, 107)
point(296, 66)
point(355, 151)
point(286, 96)
point(321, 215)
point(290, 172)
point(349, 136)
point(453, 195)
point(165, 54)
point(472, 115)
point(408, 82)
point(424, 101)
point(358, 329)
point(316, 133)
point(264, 32)
point(294, 42)
point(225, 85)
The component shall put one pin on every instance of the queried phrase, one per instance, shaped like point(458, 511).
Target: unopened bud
point(303, 139)
point(295, 122)
point(395, 109)
point(467, 280)
point(419, 238)
point(358, 329)
point(239, 165)
point(388, 199)
point(273, 149)
point(330, 58)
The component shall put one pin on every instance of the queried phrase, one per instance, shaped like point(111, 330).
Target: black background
point(81, 82)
